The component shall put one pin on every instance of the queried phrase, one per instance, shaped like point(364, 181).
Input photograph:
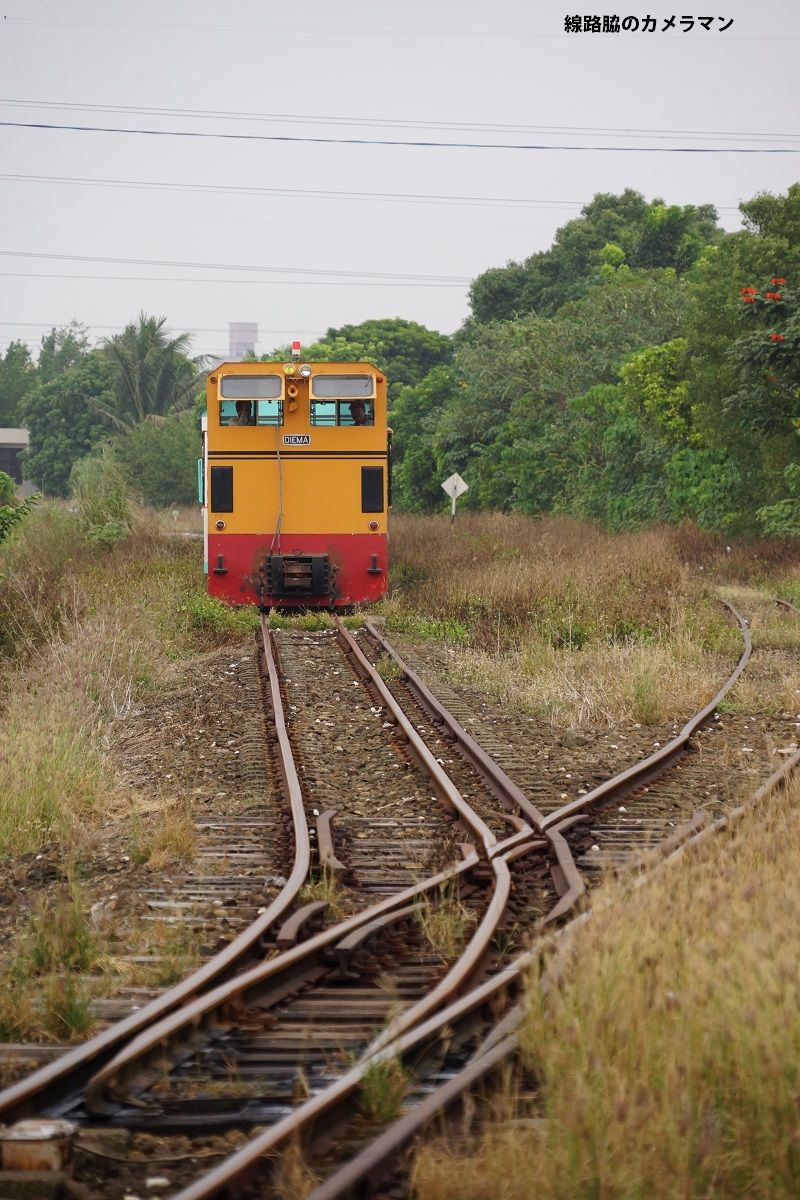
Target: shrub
point(8, 491)
point(99, 486)
point(12, 514)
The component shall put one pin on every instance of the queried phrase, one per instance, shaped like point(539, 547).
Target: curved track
point(296, 1041)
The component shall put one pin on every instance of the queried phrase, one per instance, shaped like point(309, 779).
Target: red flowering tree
point(767, 361)
point(767, 357)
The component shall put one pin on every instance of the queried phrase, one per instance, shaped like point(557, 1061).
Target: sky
point(326, 228)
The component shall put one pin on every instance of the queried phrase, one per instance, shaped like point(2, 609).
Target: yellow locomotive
point(295, 483)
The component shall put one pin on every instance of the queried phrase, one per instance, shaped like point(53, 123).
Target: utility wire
point(210, 266)
point(312, 193)
point(294, 139)
point(264, 283)
point(396, 123)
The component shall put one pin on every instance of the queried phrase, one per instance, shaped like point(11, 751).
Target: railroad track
point(300, 1041)
point(369, 977)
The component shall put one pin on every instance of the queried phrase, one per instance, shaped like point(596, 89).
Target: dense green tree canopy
point(405, 350)
point(647, 368)
point(161, 460)
point(76, 398)
point(17, 375)
point(644, 234)
point(63, 420)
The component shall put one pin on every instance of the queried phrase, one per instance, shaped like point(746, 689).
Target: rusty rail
point(267, 979)
point(265, 982)
point(71, 1071)
point(327, 1108)
point(653, 766)
point(500, 1045)
point(373, 1160)
point(502, 786)
point(444, 786)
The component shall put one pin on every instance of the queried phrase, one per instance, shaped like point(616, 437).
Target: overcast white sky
point(438, 70)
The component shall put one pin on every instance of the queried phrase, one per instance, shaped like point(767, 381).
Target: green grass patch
point(206, 616)
point(384, 1087)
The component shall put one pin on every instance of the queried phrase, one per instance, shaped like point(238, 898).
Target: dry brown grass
point(668, 1052)
point(89, 632)
point(166, 837)
point(294, 1178)
point(598, 685)
point(571, 581)
point(561, 619)
point(58, 716)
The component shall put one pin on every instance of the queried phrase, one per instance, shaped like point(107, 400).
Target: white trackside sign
point(455, 487)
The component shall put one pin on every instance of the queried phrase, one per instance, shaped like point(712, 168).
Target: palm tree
point(152, 376)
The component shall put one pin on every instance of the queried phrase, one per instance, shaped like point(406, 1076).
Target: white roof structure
point(14, 437)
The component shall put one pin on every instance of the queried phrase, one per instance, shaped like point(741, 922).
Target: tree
point(61, 416)
point(416, 418)
point(17, 375)
point(60, 349)
point(151, 375)
point(405, 350)
point(514, 423)
point(161, 461)
point(648, 235)
point(8, 491)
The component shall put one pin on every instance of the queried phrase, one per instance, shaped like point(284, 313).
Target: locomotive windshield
point(343, 387)
point(251, 387)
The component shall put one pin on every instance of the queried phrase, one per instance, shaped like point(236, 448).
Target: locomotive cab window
point(343, 400)
point(342, 412)
point(251, 400)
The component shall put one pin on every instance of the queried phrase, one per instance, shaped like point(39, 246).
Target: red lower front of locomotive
point(313, 570)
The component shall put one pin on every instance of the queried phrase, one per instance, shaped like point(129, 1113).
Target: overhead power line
point(189, 329)
point(397, 123)
point(197, 280)
point(294, 139)
point(311, 193)
point(454, 280)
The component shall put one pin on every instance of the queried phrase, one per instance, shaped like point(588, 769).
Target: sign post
point(455, 487)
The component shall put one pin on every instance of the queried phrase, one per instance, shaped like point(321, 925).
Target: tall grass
point(88, 631)
point(561, 619)
point(668, 1053)
point(570, 580)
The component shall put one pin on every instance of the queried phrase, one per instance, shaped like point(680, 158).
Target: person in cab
point(359, 413)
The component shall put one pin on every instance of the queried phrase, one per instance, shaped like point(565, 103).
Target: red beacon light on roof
point(296, 349)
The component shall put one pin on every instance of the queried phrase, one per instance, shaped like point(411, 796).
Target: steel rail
point(265, 976)
point(251, 985)
point(462, 970)
point(503, 786)
point(445, 788)
point(374, 1158)
point(777, 781)
point(226, 1174)
point(328, 1106)
point(652, 766)
point(501, 1043)
point(499, 782)
point(69, 1072)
